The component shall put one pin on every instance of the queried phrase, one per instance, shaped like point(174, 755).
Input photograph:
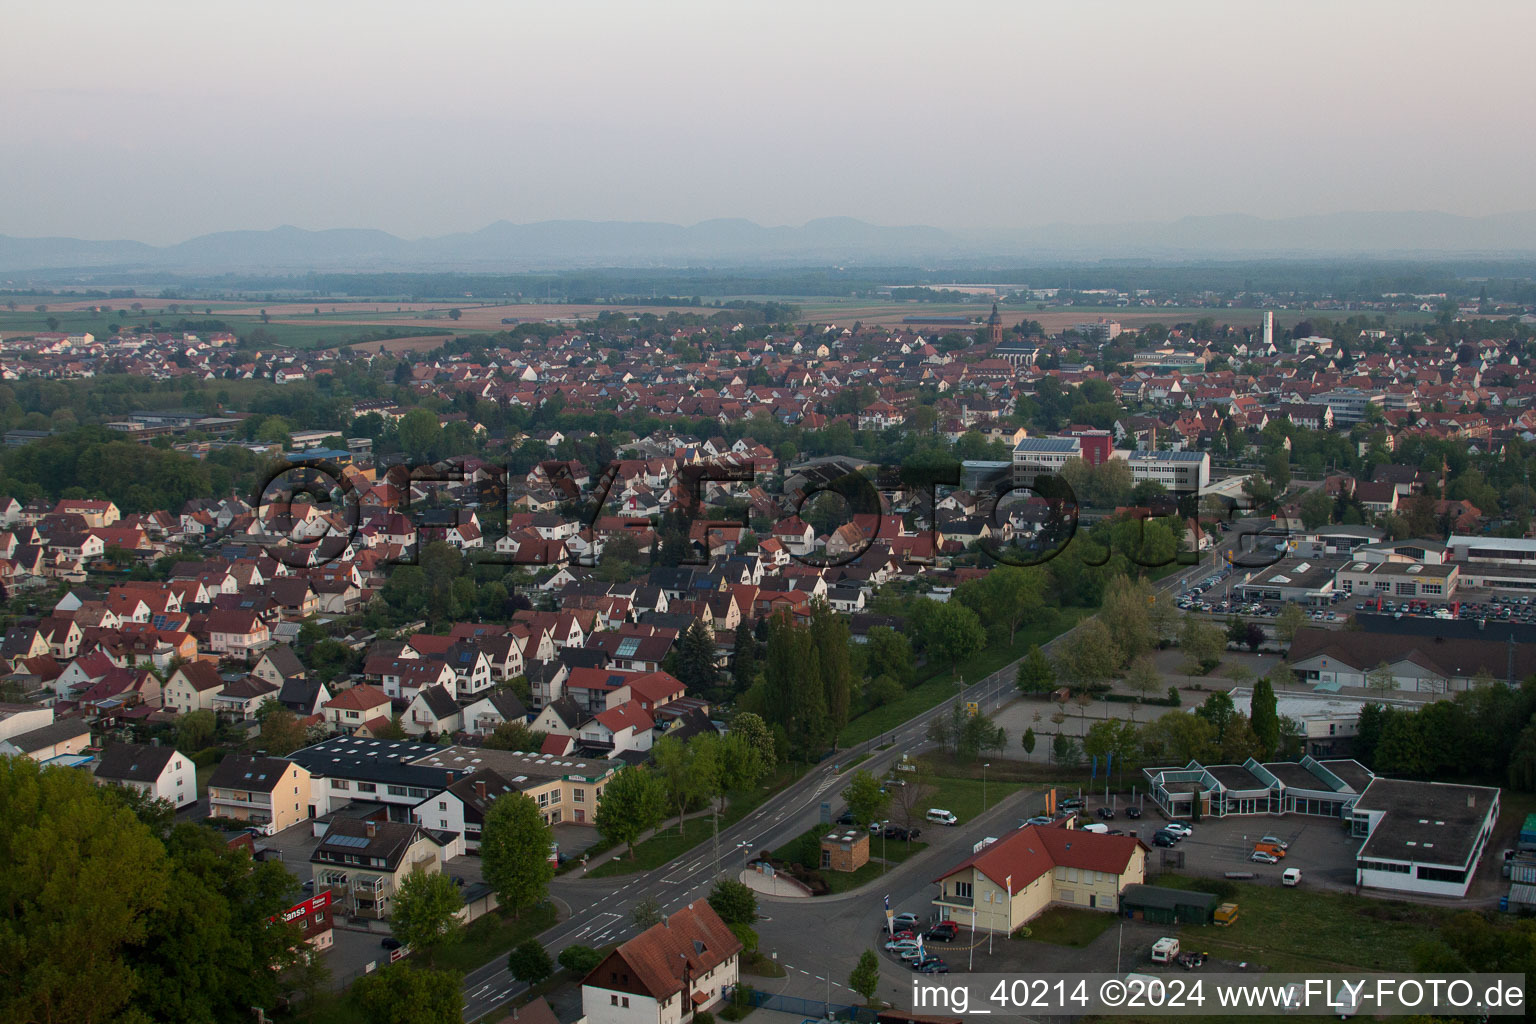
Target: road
point(599, 909)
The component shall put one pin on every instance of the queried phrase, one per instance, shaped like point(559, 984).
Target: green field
point(312, 331)
point(937, 686)
point(1308, 929)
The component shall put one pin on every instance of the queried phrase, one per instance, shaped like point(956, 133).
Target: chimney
point(373, 830)
point(1471, 799)
point(480, 789)
point(450, 778)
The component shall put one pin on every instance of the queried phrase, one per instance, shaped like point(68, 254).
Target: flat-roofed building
point(1043, 456)
point(1300, 580)
point(1398, 579)
point(1422, 837)
point(1180, 472)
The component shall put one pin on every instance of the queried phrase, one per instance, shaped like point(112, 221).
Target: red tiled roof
point(1033, 851)
point(694, 940)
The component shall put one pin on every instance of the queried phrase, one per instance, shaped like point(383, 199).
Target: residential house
point(366, 708)
point(192, 687)
point(667, 973)
point(432, 710)
point(267, 791)
point(364, 862)
point(160, 773)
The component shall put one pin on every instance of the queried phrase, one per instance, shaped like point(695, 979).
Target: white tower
point(1269, 329)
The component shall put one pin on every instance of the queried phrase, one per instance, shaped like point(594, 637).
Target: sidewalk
point(623, 851)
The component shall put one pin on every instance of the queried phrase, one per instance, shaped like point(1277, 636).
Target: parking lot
point(1320, 847)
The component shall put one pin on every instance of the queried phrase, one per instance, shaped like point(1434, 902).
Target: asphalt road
point(599, 909)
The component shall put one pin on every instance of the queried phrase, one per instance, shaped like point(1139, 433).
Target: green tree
point(794, 697)
point(829, 634)
point(514, 735)
point(952, 633)
point(689, 772)
point(1316, 509)
point(633, 802)
point(1008, 596)
point(195, 729)
point(418, 433)
point(696, 658)
point(281, 731)
point(580, 960)
point(1143, 678)
point(865, 979)
point(59, 836)
point(1265, 717)
point(403, 994)
point(514, 851)
point(744, 658)
point(529, 962)
point(425, 912)
point(734, 901)
point(1218, 710)
point(1126, 614)
point(1380, 679)
point(1088, 656)
point(865, 801)
point(1027, 741)
point(1067, 752)
point(1202, 643)
point(751, 728)
point(889, 653)
point(1290, 619)
point(646, 913)
point(1036, 673)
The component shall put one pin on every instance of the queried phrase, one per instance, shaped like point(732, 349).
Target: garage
point(1158, 905)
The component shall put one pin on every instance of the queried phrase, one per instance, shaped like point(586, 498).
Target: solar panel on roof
point(353, 841)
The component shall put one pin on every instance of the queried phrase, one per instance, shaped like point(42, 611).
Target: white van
point(1290, 876)
point(939, 816)
point(1097, 826)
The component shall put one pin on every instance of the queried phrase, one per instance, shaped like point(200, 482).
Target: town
point(573, 665)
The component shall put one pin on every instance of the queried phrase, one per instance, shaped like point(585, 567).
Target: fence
point(816, 1008)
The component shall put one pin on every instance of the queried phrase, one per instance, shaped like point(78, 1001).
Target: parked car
point(1072, 803)
point(846, 818)
point(1275, 841)
point(1133, 812)
point(915, 953)
point(1105, 814)
point(1260, 857)
point(390, 942)
point(1178, 828)
point(897, 945)
point(1040, 819)
point(933, 966)
point(902, 832)
point(1164, 839)
point(939, 935)
point(905, 920)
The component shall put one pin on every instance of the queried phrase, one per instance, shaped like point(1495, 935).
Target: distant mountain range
point(564, 244)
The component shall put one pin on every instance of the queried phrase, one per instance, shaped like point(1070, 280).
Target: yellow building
point(266, 791)
point(1011, 881)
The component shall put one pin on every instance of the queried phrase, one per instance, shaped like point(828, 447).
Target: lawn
point(1069, 926)
point(669, 845)
point(964, 797)
point(1307, 929)
point(938, 686)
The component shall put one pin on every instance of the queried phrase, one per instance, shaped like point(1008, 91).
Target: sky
point(164, 119)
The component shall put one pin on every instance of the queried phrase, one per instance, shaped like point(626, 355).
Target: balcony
point(955, 901)
point(371, 886)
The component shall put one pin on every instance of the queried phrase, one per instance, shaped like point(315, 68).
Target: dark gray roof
point(1429, 822)
point(48, 735)
point(284, 660)
point(439, 701)
point(390, 840)
point(133, 762)
point(240, 771)
point(1165, 899)
point(387, 761)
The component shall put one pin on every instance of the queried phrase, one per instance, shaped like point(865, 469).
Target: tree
point(1007, 595)
point(514, 851)
point(529, 962)
point(633, 802)
point(74, 939)
point(1088, 656)
point(425, 911)
point(951, 633)
point(829, 634)
point(514, 735)
point(645, 913)
point(1036, 673)
point(195, 729)
point(403, 994)
point(1316, 509)
point(1202, 644)
point(1143, 678)
point(1368, 729)
point(865, 979)
point(281, 731)
point(687, 772)
point(865, 801)
point(794, 697)
point(888, 653)
point(1290, 619)
point(1125, 612)
point(1265, 717)
point(734, 901)
point(580, 960)
point(1380, 679)
point(1066, 750)
point(752, 729)
point(1178, 738)
point(1218, 710)
point(744, 658)
point(696, 658)
point(454, 314)
point(1027, 741)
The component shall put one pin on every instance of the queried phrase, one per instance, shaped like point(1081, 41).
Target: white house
point(161, 773)
point(666, 973)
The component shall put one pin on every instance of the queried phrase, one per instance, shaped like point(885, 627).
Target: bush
point(1174, 700)
point(703, 1017)
point(580, 960)
point(208, 755)
point(1218, 887)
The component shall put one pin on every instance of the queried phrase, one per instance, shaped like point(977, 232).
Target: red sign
point(313, 905)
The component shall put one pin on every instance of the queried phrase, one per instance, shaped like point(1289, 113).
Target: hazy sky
point(163, 119)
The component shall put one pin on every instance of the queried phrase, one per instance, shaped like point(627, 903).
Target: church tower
point(995, 326)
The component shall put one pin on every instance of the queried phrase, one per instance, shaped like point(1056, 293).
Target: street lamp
point(984, 768)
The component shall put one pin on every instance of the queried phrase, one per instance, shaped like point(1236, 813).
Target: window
point(395, 790)
point(554, 796)
point(579, 795)
point(417, 792)
point(963, 890)
point(613, 1000)
point(543, 799)
point(340, 784)
point(442, 805)
point(625, 1002)
point(362, 787)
